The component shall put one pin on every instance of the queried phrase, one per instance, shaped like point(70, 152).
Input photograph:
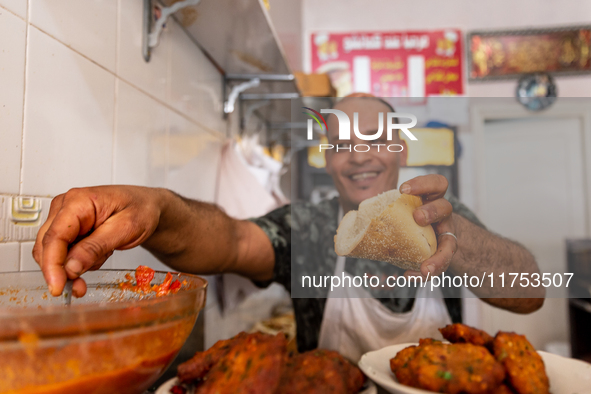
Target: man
point(196, 237)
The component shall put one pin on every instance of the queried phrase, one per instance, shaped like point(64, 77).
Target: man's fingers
point(413, 274)
point(117, 232)
point(85, 225)
point(445, 226)
point(430, 187)
point(446, 248)
point(438, 263)
point(433, 212)
point(79, 288)
point(55, 276)
point(56, 205)
point(437, 211)
point(100, 263)
point(67, 225)
point(74, 273)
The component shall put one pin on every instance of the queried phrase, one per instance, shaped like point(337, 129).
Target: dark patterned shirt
point(302, 235)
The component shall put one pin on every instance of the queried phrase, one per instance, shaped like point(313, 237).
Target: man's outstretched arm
point(481, 252)
point(86, 225)
point(476, 252)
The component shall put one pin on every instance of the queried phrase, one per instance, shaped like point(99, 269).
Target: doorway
point(532, 188)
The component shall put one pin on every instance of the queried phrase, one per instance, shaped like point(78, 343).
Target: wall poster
point(391, 64)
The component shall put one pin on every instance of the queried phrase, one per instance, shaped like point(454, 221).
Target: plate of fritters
point(259, 363)
point(473, 362)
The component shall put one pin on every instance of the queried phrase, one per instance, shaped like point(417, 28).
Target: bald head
point(368, 108)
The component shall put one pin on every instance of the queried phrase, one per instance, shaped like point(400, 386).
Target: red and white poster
point(391, 64)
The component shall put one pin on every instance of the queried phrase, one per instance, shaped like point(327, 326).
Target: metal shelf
point(239, 39)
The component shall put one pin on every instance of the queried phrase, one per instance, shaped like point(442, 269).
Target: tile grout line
point(116, 93)
point(114, 132)
point(22, 167)
point(12, 13)
point(19, 254)
point(170, 107)
point(168, 115)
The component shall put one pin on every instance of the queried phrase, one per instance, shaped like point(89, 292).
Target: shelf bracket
point(235, 92)
point(250, 111)
point(249, 81)
point(153, 30)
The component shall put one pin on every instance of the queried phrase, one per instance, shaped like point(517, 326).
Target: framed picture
point(508, 54)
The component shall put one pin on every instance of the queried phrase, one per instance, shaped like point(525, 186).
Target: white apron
point(355, 323)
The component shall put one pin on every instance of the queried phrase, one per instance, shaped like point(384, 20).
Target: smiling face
point(362, 175)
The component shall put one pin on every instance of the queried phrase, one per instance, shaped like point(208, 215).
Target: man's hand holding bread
point(402, 228)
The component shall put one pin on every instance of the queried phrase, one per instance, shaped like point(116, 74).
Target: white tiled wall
point(79, 106)
point(9, 256)
point(151, 77)
point(141, 133)
point(27, 262)
point(12, 76)
point(18, 7)
point(88, 27)
point(68, 119)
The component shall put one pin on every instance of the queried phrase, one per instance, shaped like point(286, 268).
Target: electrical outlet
point(21, 217)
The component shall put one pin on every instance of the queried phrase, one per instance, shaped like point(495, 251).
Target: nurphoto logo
point(345, 129)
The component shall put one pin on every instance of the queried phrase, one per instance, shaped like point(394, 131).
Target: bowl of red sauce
point(119, 338)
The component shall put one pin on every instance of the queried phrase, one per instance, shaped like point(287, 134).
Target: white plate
point(165, 388)
point(169, 384)
point(567, 375)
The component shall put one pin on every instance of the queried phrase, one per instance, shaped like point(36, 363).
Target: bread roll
point(384, 229)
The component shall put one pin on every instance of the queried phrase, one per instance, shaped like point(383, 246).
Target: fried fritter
point(312, 373)
point(503, 389)
point(399, 365)
point(321, 372)
point(525, 368)
point(461, 333)
point(354, 378)
point(197, 367)
point(258, 363)
point(253, 365)
point(429, 341)
point(450, 368)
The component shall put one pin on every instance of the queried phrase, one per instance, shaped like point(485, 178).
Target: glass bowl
point(109, 341)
